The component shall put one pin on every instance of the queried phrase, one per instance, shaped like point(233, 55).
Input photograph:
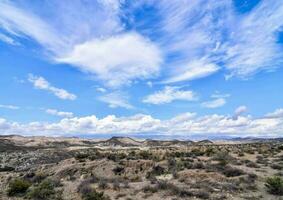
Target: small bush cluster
point(274, 185)
point(18, 187)
point(45, 191)
point(175, 190)
point(89, 193)
point(232, 172)
point(118, 170)
point(223, 157)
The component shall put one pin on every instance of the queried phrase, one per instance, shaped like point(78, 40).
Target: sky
point(153, 68)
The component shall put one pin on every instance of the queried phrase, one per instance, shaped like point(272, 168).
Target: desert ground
point(44, 168)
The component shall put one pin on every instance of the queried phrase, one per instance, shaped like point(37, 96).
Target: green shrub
point(232, 172)
point(210, 151)
point(89, 193)
point(274, 185)
point(93, 195)
point(6, 169)
point(277, 166)
point(223, 157)
point(150, 189)
point(102, 184)
point(38, 177)
point(44, 191)
point(156, 171)
point(197, 152)
point(118, 170)
point(18, 186)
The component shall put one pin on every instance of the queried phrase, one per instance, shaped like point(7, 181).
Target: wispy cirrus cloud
point(194, 70)
point(184, 41)
point(214, 103)
point(117, 99)
point(215, 33)
point(7, 39)
point(11, 107)
point(169, 94)
point(218, 100)
point(42, 84)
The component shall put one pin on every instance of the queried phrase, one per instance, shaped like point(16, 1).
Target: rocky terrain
point(125, 168)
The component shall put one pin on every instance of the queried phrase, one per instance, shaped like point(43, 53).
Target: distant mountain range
point(15, 142)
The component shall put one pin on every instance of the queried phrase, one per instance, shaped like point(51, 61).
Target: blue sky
point(173, 68)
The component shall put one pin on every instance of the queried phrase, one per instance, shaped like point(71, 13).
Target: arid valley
point(124, 168)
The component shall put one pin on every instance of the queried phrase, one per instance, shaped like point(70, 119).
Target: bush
point(274, 185)
point(252, 164)
point(102, 184)
point(145, 155)
point(223, 158)
point(231, 172)
point(18, 186)
point(81, 156)
point(116, 184)
point(209, 151)
point(89, 193)
point(277, 166)
point(118, 170)
point(197, 152)
point(94, 195)
point(6, 169)
point(45, 191)
point(38, 177)
point(198, 165)
point(156, 171)
point(202, 194)
point(149, 189)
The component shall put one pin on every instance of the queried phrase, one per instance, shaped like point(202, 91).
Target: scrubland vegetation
point(180, 171)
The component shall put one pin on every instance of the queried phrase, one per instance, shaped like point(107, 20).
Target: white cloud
point(214, 103)
point(116, 99)
point(193, 70)
point(59, 113)
point(276, 114)
point(117, 60)
point(149, 83)
point(101, 89)
point(184, 42)
point(169, 94)
point(214, 33)
point(11, 107)
point(219, 95)
point(42, 84)
point(187, 124)
point(253, 45)
point(219, 100)
point(22, 23)
point(8, 39)
point(239, 111)
point(96, 47)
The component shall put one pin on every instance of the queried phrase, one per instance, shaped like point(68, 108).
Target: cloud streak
point(59, 113)
point(169, 94)
point(42, 84)
point(11, 107)
point(214, 103)
point(116, 99)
